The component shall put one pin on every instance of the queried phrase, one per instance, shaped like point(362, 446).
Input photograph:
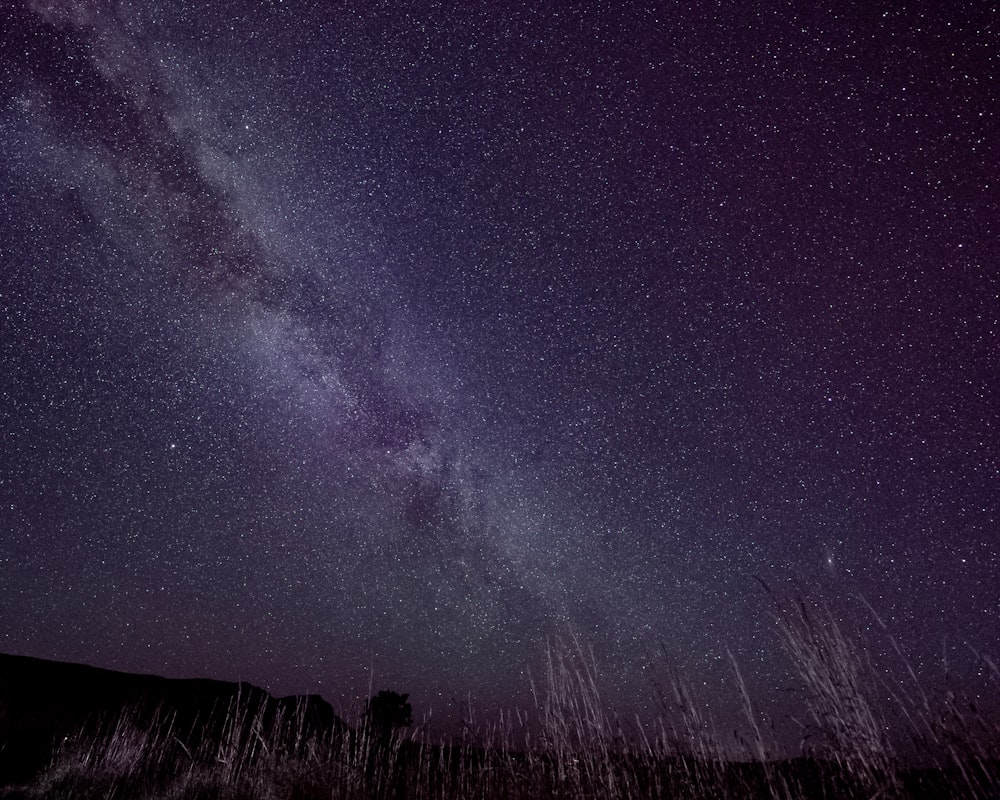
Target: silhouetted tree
point(387, 711)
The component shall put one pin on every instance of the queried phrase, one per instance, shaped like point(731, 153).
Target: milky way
point(350, 337)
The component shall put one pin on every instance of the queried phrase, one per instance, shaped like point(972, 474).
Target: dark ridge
point(44, 702)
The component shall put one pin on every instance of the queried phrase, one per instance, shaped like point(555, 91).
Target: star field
point(398, 337)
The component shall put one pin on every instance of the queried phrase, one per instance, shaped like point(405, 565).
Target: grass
point(856, 727)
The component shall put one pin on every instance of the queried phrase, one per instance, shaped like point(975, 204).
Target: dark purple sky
point(405, 335)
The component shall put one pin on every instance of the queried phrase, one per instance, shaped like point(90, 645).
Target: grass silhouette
point(855, 726)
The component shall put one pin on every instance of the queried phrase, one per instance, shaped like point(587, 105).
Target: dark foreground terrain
point(72, 731)
point(47, 708)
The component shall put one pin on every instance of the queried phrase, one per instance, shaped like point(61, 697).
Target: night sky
point(340, 337)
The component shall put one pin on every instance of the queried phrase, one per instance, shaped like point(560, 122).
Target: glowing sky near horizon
point(402, 336)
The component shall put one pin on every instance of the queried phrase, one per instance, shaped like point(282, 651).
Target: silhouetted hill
point(43, 702)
